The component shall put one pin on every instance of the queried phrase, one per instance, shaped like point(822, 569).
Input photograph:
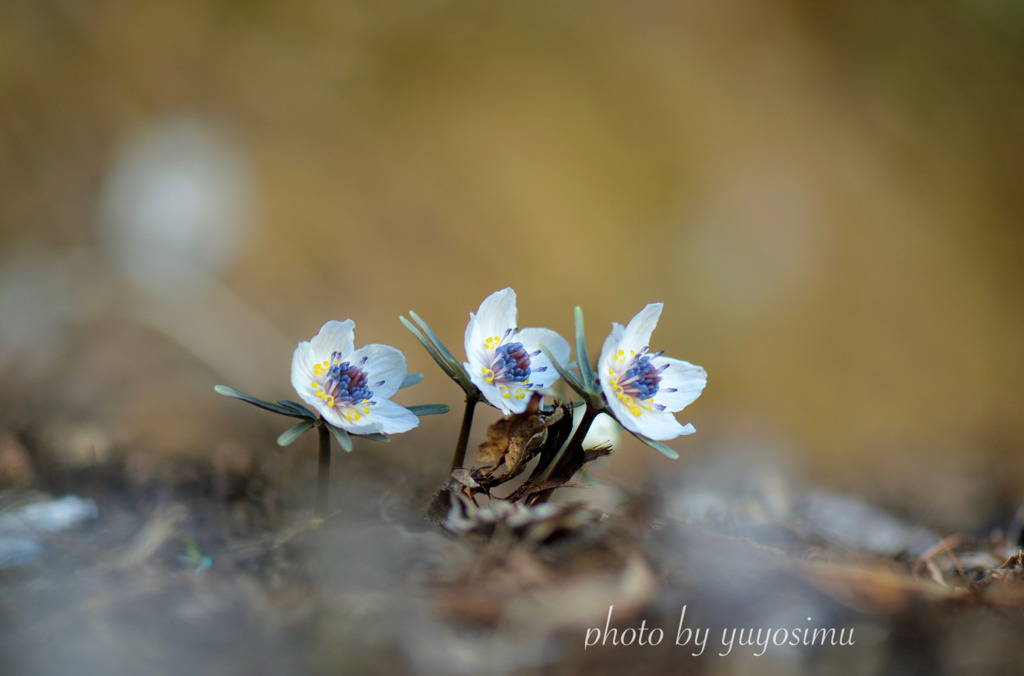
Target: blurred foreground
point(206, 572)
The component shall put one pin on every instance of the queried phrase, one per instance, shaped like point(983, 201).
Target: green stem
point(323, 474)
point(572, 449)
point(459, 459)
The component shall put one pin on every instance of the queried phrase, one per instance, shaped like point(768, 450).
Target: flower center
point(510, 365)
point(345, 386)
point(635, 380)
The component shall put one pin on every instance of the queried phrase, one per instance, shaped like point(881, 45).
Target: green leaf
point(297, 407)
point(266, 405)
point(657, 445)
point(436, 349)
point(374, 436)
point(567, 376)
point(295, 431)
point(431, 350)
point(429, 409)
point(434, 339)
point(411, 380)
point(582, 360)
point(344, 440)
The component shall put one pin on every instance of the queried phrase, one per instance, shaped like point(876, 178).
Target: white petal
point(687, 379)
point(390, 418)
point(302, 374)
point(657, 425)
point(603, 431)
point(491, 393)
point(496, 315)
point(619, 410)
point(513, 405)
point(334, 336)
point(638, 331)
point(332, 415)
point(383, 362)
point(535, 339)
point(474, 343)
point(606, 362)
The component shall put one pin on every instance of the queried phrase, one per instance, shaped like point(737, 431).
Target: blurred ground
point(827, 199)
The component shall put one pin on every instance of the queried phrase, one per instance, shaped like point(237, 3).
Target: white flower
point(604, 431)
point(350, 388)
point(643, 388)
point(506, 362)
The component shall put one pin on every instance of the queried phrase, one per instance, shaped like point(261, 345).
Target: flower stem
point(459, 459)
point(323, 474)
point(573, 452)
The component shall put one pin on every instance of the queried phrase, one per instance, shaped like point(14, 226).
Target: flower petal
point(513, 405)
point(302, 374)
point(390, 418)
point(657, 425)
point(605, 361)
point(491, 393)
point(496, 315)
point(383, 362)
point(688, 381)
point(334, 336)
point(533, 340)
point(332, 415)
point(619, 410)
point(474, 342)
point(638, 332)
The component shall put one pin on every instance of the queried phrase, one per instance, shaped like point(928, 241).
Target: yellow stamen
point(627, 400)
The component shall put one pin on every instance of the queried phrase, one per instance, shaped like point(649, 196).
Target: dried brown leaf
point(516, 439)
point(492, 451)
point(564, 474)
point(872, 587)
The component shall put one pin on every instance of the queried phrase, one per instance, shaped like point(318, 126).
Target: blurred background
point(828, 200)
point(827, 197)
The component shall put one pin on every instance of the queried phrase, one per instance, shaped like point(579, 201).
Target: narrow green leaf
point(448, 363)
point(431, 350)
point(428, 409)
point(582, 360)
point(294, 432)
point(375, 436)
point(411, 380)
point(297, 407)
point(434, 339)
point(249, 399)
point(344, 440)
point(567, 376)
point(658, 446)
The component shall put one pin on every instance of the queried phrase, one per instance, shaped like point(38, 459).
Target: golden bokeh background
point(827, 198)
